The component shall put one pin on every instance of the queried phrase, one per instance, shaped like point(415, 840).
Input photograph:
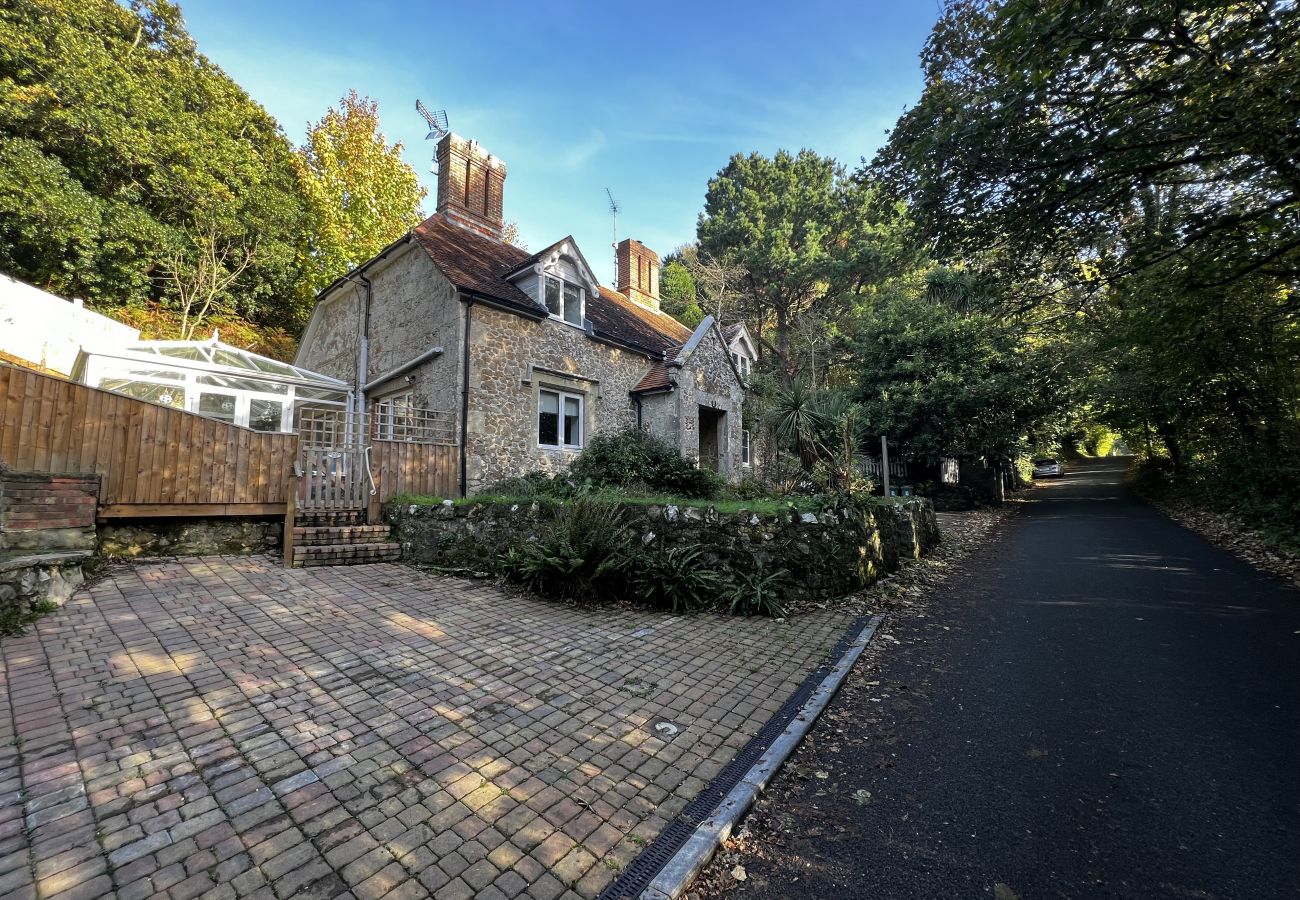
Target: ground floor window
point(393, 417)
point(559, 420)
point(745, 451)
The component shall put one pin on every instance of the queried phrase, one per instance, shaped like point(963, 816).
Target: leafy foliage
point(579, 556)
point(677, 294)
point(806, 239)
point(756, 591)
point(361, 194)
point(118, 139)
point(943, 383)
point(633, 459)
point(676, 579)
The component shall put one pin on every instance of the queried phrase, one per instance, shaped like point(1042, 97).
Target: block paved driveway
point(222, 727)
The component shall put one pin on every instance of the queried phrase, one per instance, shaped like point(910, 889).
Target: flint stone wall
point(828, 554)
point(189, 537)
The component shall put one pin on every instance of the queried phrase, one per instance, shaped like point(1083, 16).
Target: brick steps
point(341, 539)
point(318, 535)
point(346, 554)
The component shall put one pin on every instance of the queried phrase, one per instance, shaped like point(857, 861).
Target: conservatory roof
point(214, 356)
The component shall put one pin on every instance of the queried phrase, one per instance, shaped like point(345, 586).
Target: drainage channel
point(641, 872)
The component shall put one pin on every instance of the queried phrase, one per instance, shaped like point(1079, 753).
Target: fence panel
point(153, 460)
point(401, 467)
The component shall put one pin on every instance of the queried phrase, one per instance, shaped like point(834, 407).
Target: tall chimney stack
point(471, 183)
point(638, 273)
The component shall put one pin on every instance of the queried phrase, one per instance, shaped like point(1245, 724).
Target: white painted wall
point(42, 328)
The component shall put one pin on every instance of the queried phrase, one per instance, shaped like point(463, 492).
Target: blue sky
point(649, 100)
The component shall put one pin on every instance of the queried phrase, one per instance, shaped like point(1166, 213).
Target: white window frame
point(386, 408)
point(561, 396)
point(746, 448)
point(582, 300)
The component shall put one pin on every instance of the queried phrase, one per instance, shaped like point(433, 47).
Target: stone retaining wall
point(828, 554)
point(189, 537)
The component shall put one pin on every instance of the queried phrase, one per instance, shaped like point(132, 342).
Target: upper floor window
point(564, 300)
point(559, 420)
point(742, 364)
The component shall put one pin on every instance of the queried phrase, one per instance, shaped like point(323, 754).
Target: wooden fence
point(403, 468)
point(153, 460)
point(158, 461)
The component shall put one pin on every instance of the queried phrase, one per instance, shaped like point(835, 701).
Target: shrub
point(757, 591)
point(533, 484)
point(675, 579)
point(632, 459)
point(580, 556)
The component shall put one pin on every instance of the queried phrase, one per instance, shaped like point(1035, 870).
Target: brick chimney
point(471, 182)
point(638, 272)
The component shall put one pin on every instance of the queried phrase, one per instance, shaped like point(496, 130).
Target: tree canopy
point(361, 194)
point(118, 142)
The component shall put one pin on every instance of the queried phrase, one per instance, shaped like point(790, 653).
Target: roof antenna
point(438, 128)
point(614, 211)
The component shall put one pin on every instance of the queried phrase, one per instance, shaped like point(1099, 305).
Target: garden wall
point(828, 553)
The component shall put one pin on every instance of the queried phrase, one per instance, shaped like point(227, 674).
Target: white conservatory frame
point(183, 374)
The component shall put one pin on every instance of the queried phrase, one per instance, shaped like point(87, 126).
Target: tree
point(804, 237)
point(677, 294)
point(1046, 126)
point(117, 138)
point(941, 382)
point(201, 275)
point(361, 194)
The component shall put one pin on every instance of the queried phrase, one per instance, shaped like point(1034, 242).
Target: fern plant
point(676, 579)
point(756, 591)
point(578, 557)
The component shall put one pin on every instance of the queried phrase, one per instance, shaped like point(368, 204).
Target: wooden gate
point(333, 462)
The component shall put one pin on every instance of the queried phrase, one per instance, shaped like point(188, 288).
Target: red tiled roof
point(658, 378)
point(478, 263)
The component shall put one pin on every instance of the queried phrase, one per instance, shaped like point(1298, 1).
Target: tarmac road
point(1104, 705)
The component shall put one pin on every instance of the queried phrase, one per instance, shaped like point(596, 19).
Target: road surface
point(1103, 705)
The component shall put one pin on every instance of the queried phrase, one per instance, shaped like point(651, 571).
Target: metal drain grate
point(638, 875)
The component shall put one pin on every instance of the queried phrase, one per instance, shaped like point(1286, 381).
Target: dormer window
point(564, 300)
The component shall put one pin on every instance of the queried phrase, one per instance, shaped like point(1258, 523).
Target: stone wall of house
point(512, 359)
point(827, 554)
point(413, 308)
point(190, 537)
point(709, 380)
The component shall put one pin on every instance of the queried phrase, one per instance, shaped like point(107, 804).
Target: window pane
point(217, 406)
point(166, 394)
point(244, 384)
point(572, 304)
point(572, 422)
point(553, 296)
point(548, 419)
point(264, 415)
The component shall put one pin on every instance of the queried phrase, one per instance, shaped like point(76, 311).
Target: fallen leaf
point(738, 873)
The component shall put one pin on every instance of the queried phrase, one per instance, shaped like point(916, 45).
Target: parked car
point(1048, 468)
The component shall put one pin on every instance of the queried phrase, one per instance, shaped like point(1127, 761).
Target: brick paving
point(225, 728)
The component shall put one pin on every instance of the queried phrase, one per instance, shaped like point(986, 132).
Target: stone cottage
point(527, 353)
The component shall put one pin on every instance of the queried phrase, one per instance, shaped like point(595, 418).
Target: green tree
point(118, 140)
point(1045, 126)
point(362, 195)
point(677, 294)
point(941, 382)
point(807, 239)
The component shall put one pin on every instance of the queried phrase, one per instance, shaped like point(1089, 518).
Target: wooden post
point(884, 461)
point(290, 508)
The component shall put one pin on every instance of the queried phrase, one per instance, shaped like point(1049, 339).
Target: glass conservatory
point(211, 379)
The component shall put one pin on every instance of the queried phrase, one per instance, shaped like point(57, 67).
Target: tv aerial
point(614, 210)
point(438, 128)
